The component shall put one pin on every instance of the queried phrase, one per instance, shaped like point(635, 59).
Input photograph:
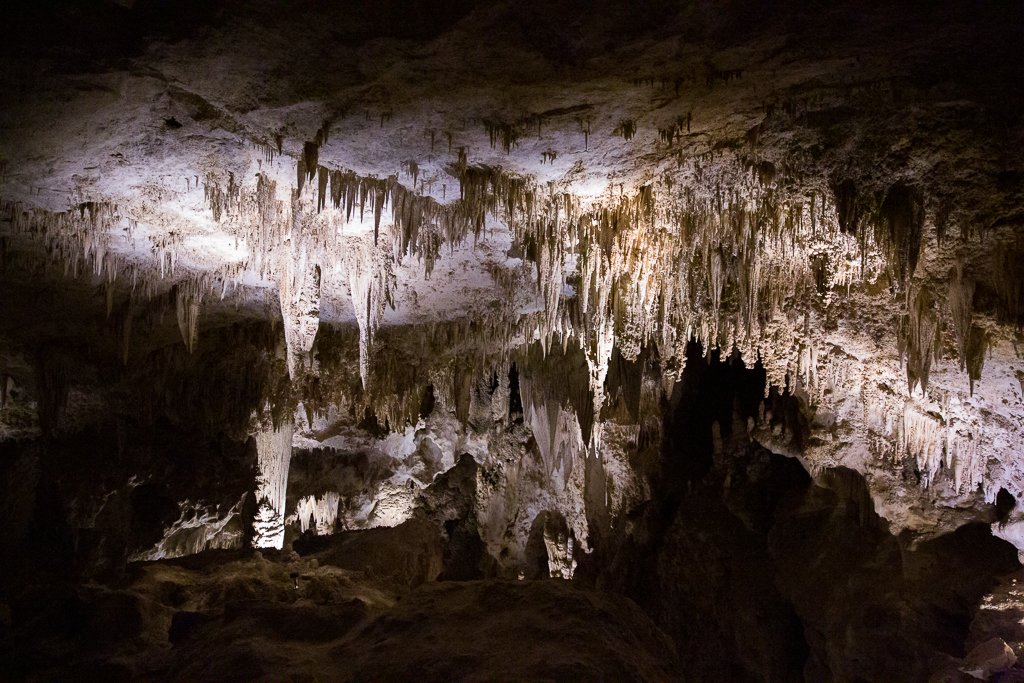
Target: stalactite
point(1007, 268)
point(299, 295)
point(370, 280)
point(626, 129)
point(301, 171)
point(715, 283)
point(322, 134)
point(977, 346)
point(321, 197)
point(187, 302)
point(121, 323)
point(847, 205)
point(942, 213)
point(961, 298)
point(310, 158)
point(900, 228)
point(598, 359)
point(919, 335)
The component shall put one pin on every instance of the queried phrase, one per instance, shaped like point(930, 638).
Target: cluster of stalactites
point(649, 271)
point(920, 337)
point(556, 431)
point(714, 260)
point(712, 266)
point(78, 238)
point(896, 222)
point(446, 359)
point(421, 224)
point(690, 268)
point(464, 365)
point(318, 513)
point(938, 444)
point(720, 265)
point(420, 227)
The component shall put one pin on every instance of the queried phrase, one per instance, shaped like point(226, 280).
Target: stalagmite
point(603, 347)
point(274, 453)
point(560, 546)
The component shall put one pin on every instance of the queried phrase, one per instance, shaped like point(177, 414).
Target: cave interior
point(383, 340)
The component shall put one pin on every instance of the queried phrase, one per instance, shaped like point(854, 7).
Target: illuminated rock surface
point(713, 309)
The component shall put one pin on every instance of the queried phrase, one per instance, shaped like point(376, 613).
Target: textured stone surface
point(561, 283)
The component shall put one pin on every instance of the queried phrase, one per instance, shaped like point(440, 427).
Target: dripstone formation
point(379, 340)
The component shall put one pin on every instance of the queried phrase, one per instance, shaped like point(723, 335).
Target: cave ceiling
point(414, 195)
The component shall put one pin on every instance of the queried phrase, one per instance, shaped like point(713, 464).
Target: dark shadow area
point(759, 574)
